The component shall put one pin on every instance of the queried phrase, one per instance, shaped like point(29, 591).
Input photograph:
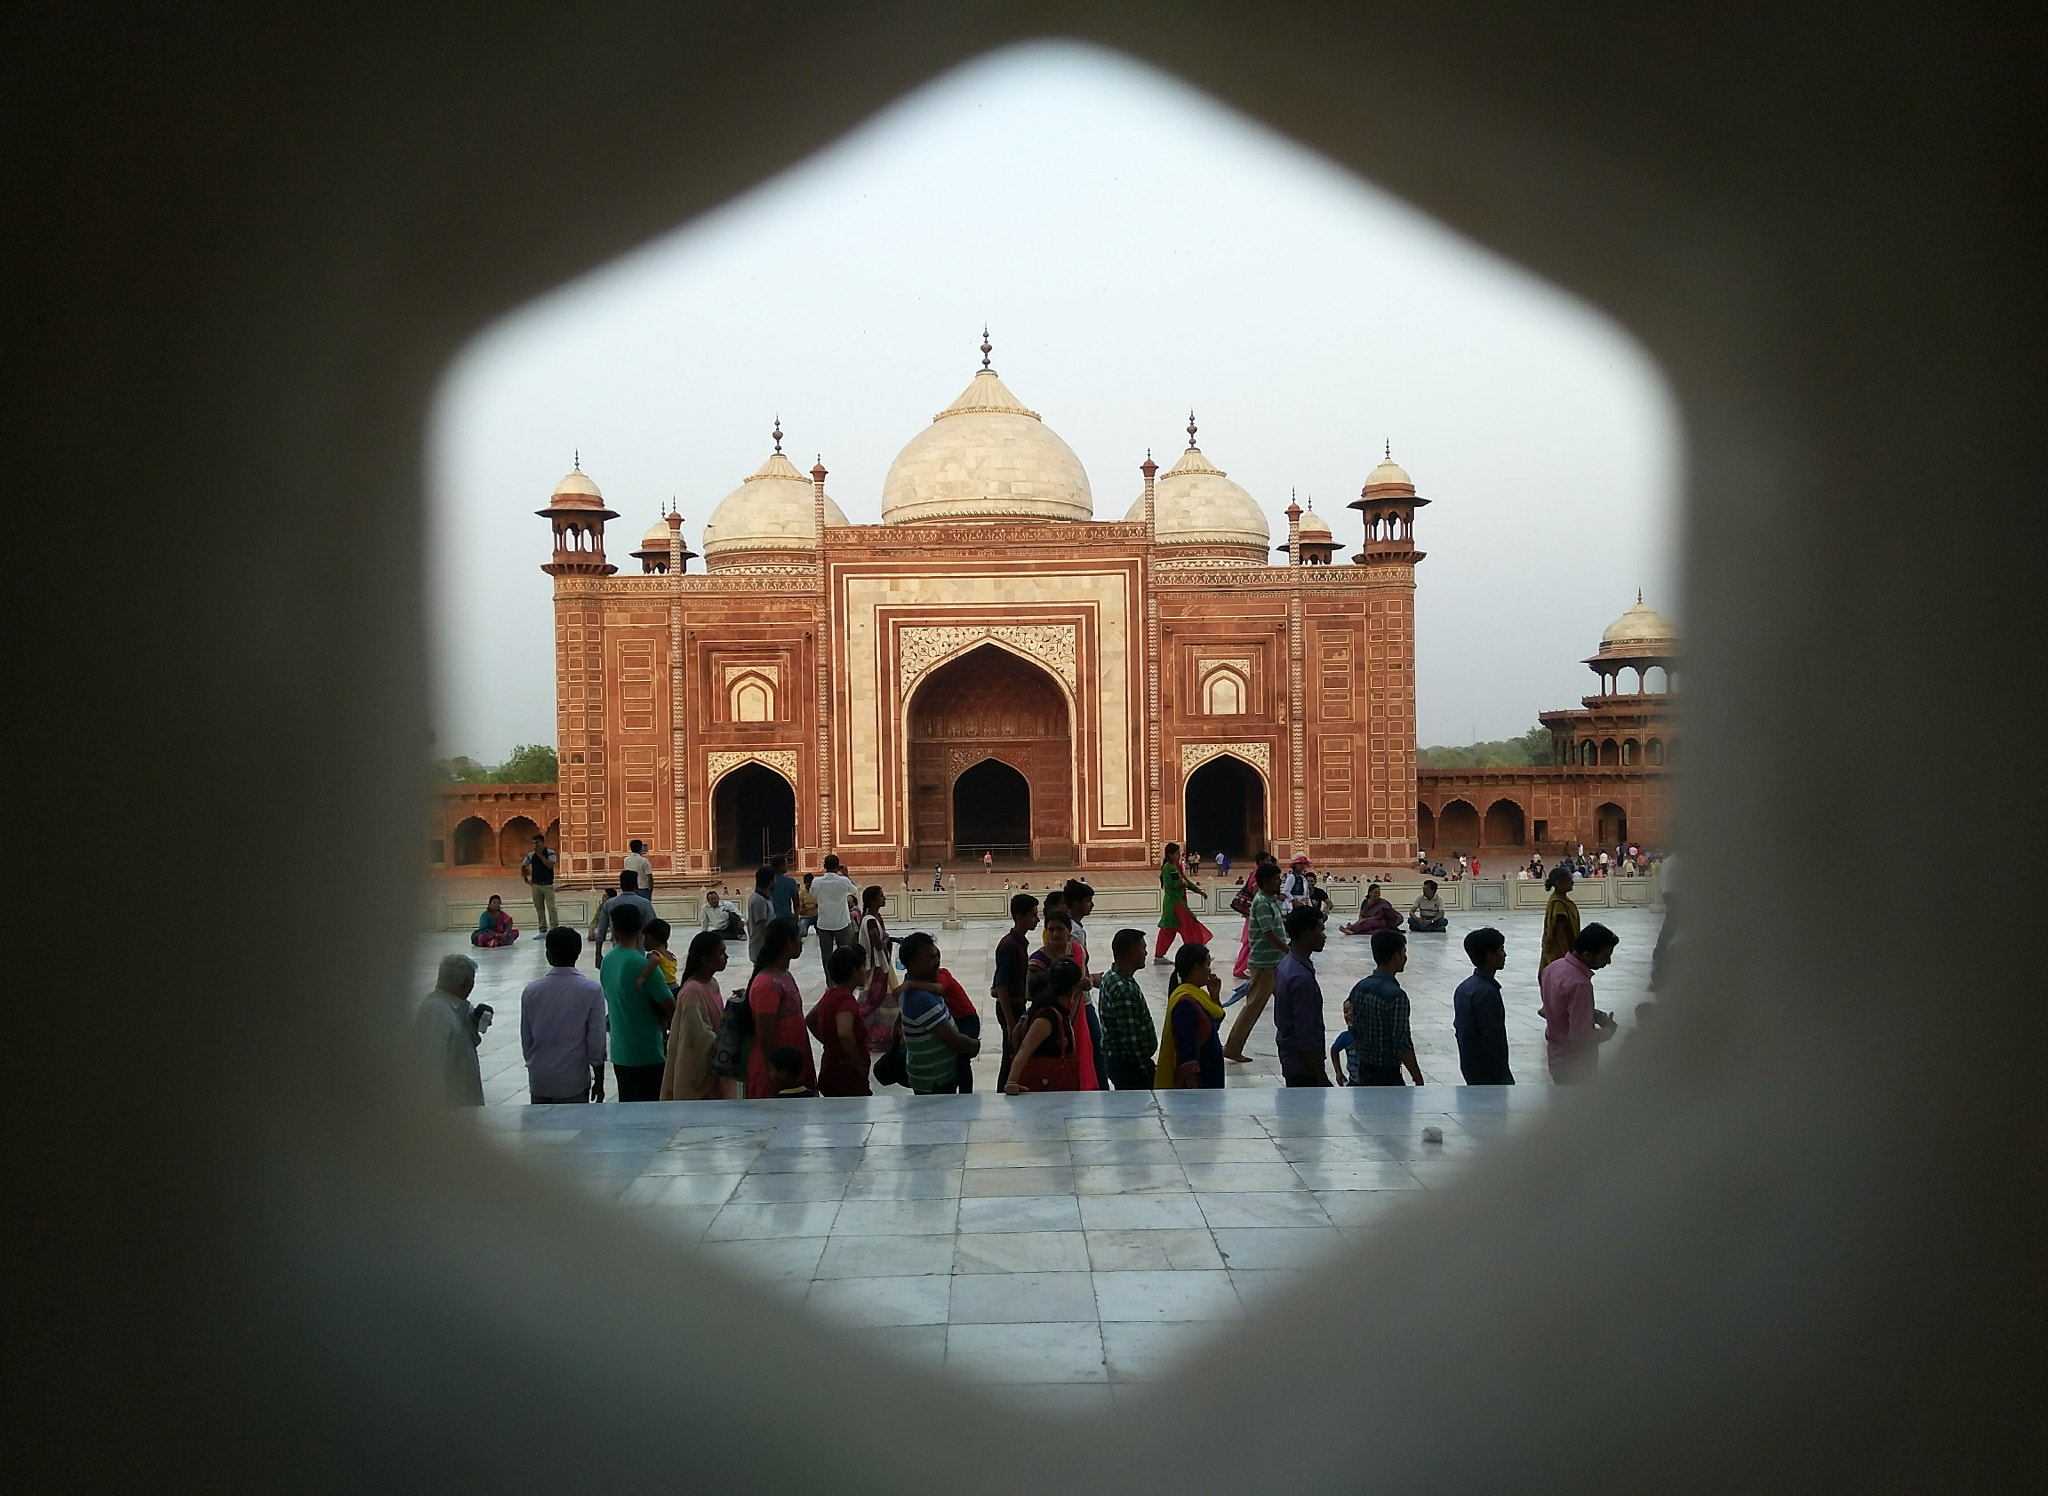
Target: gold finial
point(778, 433)
point(1191, 430)
point(986, 347)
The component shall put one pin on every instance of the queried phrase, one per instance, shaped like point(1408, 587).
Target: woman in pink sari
point(495, 928)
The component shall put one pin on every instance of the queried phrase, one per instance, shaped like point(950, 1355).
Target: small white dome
point(985, 457)
point(656, 538)
point(577, 483)
point(1195, 503)
point(1641, 624)
point(1314, 526)
point(1388, 479)
point(770, 511)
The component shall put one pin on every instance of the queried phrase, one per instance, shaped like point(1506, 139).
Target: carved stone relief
point(781, 760)
point(1194, 755)
point(1054, 645)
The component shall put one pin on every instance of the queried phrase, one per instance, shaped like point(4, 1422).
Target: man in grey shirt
point(562, 1028)
point(836, 898)
point(629, 893)
point(760, 912)
point(448, 1030)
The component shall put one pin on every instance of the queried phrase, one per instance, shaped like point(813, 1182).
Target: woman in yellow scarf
point(1190, 1041)
point(1560, 918)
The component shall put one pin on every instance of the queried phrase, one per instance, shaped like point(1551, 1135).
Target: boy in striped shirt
point(931, 1040)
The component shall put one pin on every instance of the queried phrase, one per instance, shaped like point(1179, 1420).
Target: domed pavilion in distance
point(990, 668)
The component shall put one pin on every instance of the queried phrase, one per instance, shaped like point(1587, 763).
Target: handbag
point(1242, 904)
point(1044, 1072)
point(892, 1066)
point(729, 1051)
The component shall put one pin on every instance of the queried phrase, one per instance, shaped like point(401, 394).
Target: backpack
point(735, 1029)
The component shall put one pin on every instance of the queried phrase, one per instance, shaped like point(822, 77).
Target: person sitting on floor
point(495, 928)
point(1374, 914)
point(1426, 914)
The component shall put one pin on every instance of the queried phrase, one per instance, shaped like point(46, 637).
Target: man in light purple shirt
point(562, 1027)
point(1573, 1029)
point(1298, 1001)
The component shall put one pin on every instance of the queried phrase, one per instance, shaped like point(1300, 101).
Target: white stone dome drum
point(771, 511)
point(1195, 503)
point(986, 457)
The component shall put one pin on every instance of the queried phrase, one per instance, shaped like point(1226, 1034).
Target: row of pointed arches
point(1622, 753)
point(474, 843)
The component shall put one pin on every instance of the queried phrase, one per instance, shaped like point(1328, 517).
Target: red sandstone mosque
point(993, 669)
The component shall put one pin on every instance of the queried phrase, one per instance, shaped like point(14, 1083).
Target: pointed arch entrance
point(985, 712)
point(753, 816)
point(1225, 805)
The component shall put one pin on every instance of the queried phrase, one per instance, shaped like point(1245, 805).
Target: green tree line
point(1532, 747)
point(529, 763)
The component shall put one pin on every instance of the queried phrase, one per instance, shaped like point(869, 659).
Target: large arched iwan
point(753, 816)
point(1225, 802)
point(986, 703)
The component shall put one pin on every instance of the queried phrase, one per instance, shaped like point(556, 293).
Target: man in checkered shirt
point(1379, 1016)
point(1128, 1037)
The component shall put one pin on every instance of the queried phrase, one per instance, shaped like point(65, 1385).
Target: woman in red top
point(778, 1008)
point(843, 1059)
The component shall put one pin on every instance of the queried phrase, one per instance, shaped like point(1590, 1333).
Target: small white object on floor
point(1432, 1134)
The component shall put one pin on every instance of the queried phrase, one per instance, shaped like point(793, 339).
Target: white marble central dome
point(986, 457)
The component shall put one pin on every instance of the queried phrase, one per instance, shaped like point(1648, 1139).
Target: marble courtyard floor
point(1062, 1246)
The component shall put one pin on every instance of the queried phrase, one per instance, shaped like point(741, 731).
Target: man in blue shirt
point(1298, 1001)
point(1480, 1016)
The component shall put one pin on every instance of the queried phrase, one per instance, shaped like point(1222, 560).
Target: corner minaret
point(577, 513)
point(1388, 502)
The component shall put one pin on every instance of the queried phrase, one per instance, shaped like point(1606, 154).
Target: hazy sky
point(1135, 249)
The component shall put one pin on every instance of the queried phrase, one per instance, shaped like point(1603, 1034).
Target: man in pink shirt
point(1573, 1029)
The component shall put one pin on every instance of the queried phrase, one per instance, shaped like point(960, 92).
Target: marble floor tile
point(1355, 1148)
point(1020, 1213)
point(1211, 1125)
point(1152, 1251)
point(1156, 1296)
point(1288, 1247)
point(861, 1302)
point(1021, 1298)
point(895, 1217)
point(1045, 1354)
point(1141, 1213)
point(1130, 1179)
point(886, 1256)
point(712, 1158)
point(921, 1347)
point(918, 1133)
point(1140, 1129)
point(1034, 1153)
point(1360, 1176)
point(1252, 1209)
point(680, 1189)
point(761, 1222)
point(886, 1157)
point(903, 1184)
point(808, 1160)
point(1147, 1351)
point(1227, 1151)
point(982, 1183)
point(1018, 1129)
point(788, 1258)
point(684, 1225)
point(1020, 1252)
point(774, 1188)
point(1067, 1402)
point(1125, 1151)
point(1358, 1208)
point(809, 1135)
point(1258, 1286)
point(1219, 1179)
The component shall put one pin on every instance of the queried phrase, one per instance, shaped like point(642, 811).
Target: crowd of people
point(1065, 1019)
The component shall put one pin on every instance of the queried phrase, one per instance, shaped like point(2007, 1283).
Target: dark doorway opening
point(1613, 825)
point(753, 810)
point(1226, 808)
point(1503, 824)
point(1457, 827)
point(991, 811)
point(1425, 827)
point(473, 841)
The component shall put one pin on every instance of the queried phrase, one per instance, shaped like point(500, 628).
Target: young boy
point(1344, 1052)
point(1128, 1037)
point(1012, 977)
point(1379, 1016)
point(1478, 1014)
point(930, 1037)
point(966, 1019)
point(655, 940)
point(1191, 1054)
point(786, 1073)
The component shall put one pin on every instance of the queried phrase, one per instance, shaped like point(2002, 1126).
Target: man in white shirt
point(641, 869)
point(836, 898)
